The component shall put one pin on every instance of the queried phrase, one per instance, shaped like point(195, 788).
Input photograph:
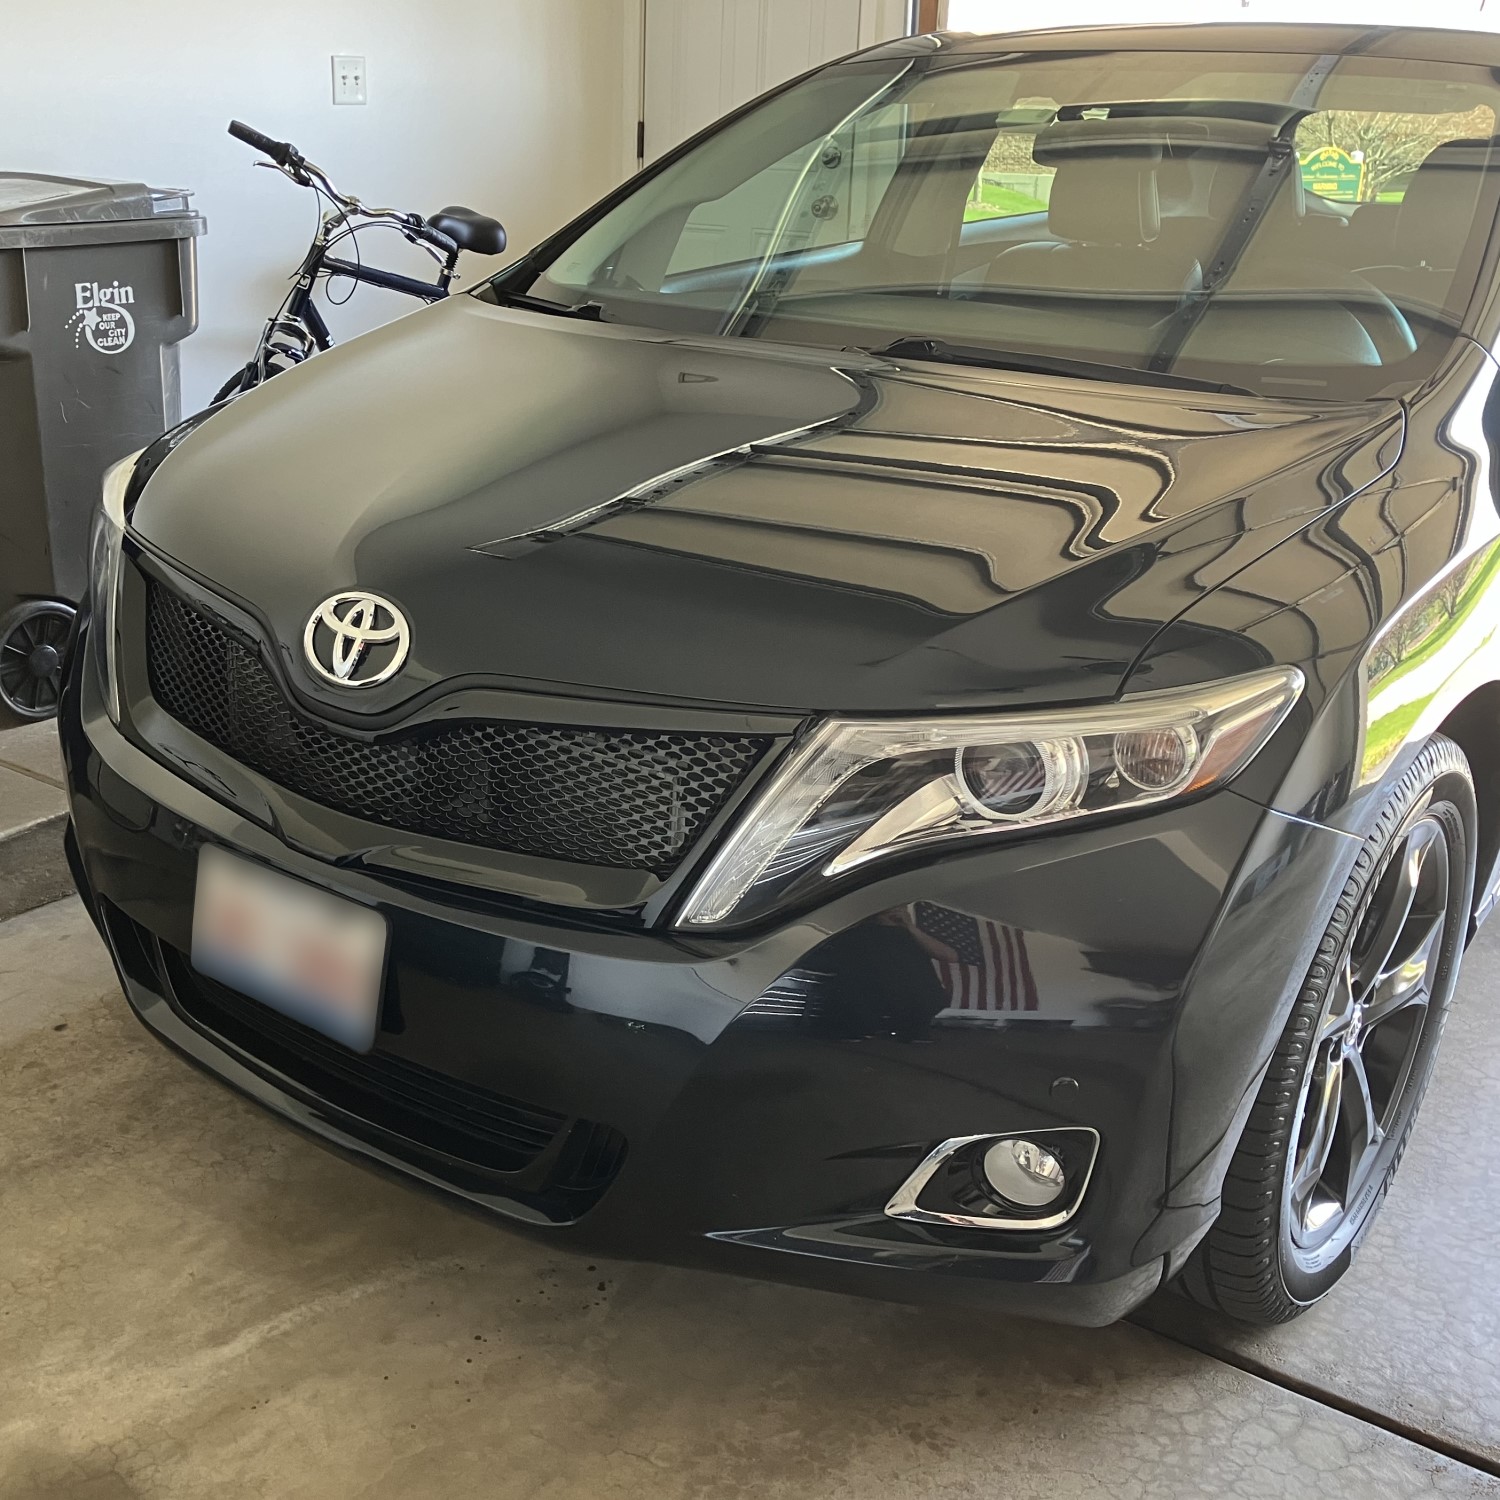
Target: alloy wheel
point(1367, 1042)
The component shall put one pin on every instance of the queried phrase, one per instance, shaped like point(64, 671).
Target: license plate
point(314, 957)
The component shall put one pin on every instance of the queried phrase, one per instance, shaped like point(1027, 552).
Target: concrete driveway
point(194, 1300)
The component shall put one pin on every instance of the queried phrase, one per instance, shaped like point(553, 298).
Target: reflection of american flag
point(992, 971)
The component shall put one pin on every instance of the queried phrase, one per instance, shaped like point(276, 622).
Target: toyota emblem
point(356, 640)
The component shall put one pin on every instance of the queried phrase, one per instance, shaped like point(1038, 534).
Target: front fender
point(1388, 602)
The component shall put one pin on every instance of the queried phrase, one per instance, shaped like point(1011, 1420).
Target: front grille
point(627, 798)
point(442, 1113)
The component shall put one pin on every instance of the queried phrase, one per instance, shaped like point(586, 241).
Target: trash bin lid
point(34, 208)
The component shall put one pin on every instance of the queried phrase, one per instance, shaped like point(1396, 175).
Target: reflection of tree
point(1394, 145)
point(1412, 637)
point(1451, 590)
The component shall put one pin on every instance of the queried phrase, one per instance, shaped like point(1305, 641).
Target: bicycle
point(297, 330)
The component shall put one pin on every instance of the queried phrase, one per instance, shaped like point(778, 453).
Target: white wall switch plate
point(349, 80)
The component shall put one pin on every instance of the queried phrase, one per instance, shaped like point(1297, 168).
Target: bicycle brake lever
point(293, 175)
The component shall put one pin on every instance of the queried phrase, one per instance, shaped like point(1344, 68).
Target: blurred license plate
point(312, 956)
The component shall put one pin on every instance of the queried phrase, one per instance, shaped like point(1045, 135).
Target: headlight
point(104, 573)
point(860, 790)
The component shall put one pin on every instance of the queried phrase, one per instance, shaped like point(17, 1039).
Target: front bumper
point(753, 1104)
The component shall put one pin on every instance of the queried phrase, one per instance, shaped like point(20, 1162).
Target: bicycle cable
point(348, 231)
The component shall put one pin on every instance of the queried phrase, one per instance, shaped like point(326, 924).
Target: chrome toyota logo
point(356, 639)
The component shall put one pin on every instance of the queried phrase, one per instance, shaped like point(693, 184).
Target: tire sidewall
point(1436, 783)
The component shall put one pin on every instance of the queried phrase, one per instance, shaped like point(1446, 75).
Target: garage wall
point(515, 107)
point(1006, 15)
point(706, 57)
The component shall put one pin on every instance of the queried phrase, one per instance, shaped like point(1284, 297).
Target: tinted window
point(1256, 221)
point(1012, 182)
point(1370, 156)
point(827, 190)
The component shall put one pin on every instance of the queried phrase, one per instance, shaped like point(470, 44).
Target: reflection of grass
point(995, 202)
point(1387, 732)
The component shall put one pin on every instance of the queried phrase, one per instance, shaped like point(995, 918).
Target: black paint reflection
point(982, 965)
point(927, 966)
point(538, 974)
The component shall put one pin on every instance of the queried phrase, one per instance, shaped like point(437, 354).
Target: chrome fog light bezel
point(905, 1202)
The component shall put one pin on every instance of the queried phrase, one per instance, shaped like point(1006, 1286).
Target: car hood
point(597, 510)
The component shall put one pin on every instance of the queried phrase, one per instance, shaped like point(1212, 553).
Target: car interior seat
point(1105, 218)
point(1432, 227)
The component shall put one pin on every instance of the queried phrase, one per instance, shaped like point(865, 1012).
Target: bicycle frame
point(299, 330)
point(301, 308)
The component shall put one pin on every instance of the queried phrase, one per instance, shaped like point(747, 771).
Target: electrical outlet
point(349, 80)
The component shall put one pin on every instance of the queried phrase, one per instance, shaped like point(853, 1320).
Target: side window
point(1010, 182)
point(1363, 156)
point(823, 194)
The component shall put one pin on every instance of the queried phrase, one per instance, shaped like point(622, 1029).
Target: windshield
point(1287, 225)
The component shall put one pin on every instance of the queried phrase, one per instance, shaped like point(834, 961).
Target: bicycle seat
point(469, 230)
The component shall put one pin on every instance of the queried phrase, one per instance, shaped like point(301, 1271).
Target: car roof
point(1411, 43)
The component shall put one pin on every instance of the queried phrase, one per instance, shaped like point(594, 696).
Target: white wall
point(515, 107)
point(1007, 15)
point(707, 57)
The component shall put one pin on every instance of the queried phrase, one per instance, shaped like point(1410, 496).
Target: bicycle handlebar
point(283, 153)
point(434, 237)
point(291, 160)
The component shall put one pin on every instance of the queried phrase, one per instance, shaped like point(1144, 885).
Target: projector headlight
point(105, 551)
point(862, 790)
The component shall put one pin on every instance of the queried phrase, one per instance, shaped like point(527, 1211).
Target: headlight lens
point(104, 573)
point(859, 790)
point(1015, 783)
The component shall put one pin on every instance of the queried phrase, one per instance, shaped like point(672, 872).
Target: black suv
point(910, 703)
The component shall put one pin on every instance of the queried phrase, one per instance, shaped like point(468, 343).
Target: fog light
point(1024, 1173)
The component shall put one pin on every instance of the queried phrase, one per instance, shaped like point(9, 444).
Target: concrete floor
point(194, 1301)
point(32, 813)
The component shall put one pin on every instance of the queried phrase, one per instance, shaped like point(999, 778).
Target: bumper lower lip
point(762, 1143)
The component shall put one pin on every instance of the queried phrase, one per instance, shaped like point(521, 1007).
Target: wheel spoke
point(1363, 1134)
point(1323, 1109)
point(1389, 909)
point(1406, 982)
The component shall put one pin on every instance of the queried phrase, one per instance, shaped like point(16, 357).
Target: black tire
point(243, 379)
point(1280, 1245)
point(33, 641)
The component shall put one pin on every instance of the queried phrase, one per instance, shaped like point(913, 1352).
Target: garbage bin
point(98, 285)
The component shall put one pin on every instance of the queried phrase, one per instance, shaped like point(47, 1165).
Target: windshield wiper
point(591, 312)
point(911, 346)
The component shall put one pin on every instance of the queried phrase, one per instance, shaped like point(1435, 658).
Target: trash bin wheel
point(33, 637)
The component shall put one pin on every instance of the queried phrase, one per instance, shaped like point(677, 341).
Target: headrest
point(1441, 200)
point(1103, 202)
point(1104, 192)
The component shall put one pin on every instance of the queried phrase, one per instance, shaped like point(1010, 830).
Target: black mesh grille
point(627, 798)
